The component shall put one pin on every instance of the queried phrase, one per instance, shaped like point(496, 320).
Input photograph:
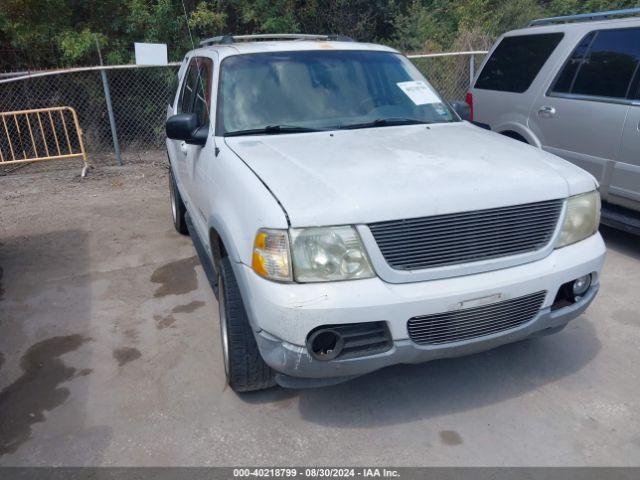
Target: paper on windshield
point(419, 92)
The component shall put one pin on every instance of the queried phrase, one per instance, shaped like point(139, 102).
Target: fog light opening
point(570, 292)
point(325, 344)
point(580, 286)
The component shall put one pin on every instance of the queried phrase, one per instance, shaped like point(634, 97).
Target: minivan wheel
point(244, 367)
point(178, 209)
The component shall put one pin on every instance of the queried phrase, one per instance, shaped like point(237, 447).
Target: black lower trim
point(205, 260)
point(620, 218)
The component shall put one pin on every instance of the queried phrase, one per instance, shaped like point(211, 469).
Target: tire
point(178, 209)
point(244, 367)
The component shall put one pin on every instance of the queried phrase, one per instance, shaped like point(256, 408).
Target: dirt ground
point(110, 355)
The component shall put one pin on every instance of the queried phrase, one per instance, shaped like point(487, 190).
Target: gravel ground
point(110, 355)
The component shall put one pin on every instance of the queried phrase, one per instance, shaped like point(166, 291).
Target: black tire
point(178, 209)
point(244, 367)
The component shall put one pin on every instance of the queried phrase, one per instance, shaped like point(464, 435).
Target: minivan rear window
point(516, 61)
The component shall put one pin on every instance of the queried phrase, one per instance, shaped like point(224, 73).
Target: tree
point(49, 33)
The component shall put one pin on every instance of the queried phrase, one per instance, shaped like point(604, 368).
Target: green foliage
point(63, 32)
point(205, 20)
point(76, 45)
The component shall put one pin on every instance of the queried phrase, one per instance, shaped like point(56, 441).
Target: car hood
point(375, 174)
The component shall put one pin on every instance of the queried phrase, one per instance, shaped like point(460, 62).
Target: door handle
point(546, 111)
point(184, 148)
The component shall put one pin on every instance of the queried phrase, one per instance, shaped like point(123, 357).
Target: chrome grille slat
point(474, 334)
point(475, 322)
point(442, 234)
point(483, 309)
point(467, 243)
point(436, 220)
point(466, 237)
point(461, 255)
point(478, 327)
point(463, 222)
point(478, 332)
point(470, 319)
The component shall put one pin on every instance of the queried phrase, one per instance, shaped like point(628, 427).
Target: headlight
point(328, 254)
point(581, 220)
point(271, 255)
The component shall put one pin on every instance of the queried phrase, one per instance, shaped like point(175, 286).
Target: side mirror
point(462, 109)
point(184, 126)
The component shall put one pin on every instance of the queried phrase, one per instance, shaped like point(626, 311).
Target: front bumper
point(295, 361)
point(282, 315)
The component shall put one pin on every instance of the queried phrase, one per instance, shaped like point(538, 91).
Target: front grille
point(474, 322)
point(457, 238)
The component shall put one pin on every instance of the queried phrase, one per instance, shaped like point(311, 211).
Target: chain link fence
point(450, 73)
point(140, 95)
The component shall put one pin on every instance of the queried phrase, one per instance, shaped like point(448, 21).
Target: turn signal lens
point(271, 255)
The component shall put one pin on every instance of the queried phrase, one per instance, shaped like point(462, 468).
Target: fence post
point(472, 69)
point(107, 97)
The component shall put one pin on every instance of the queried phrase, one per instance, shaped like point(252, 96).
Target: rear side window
point(605, 67)
point(516, 61)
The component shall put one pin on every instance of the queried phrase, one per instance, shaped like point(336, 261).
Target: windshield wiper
point(384, 122)
point(273, 130)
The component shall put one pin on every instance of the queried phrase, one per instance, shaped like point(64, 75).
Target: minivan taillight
point(469, 100)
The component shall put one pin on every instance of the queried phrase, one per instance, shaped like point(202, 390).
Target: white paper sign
point(419, 92)
point(151, 53)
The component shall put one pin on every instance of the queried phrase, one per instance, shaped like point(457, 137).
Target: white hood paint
point(388, 173)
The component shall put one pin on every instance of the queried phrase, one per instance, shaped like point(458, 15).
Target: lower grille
point(474, 322)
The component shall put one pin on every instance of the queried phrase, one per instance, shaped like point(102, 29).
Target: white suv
point(353, 221)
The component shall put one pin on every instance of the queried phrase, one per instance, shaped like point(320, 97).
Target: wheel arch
point(514, 135)
point(519, 132)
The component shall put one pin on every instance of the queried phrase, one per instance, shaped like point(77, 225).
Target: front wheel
point(178, 209)
point(243, 365)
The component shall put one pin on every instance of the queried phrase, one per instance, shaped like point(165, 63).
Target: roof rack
point(585, 17)
point(229, 39)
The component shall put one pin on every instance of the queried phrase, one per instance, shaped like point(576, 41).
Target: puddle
point(450, 437)
point(164, 322)
point(189, 307)
point(176, 278)
point(24, 402)
point(125, 355)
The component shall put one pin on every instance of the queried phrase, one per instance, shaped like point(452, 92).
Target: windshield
point(288, 92)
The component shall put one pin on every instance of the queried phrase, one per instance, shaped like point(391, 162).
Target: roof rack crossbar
point(228, 39)
point(585, 17)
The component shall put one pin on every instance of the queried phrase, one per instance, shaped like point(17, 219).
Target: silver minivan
point(571, 86)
